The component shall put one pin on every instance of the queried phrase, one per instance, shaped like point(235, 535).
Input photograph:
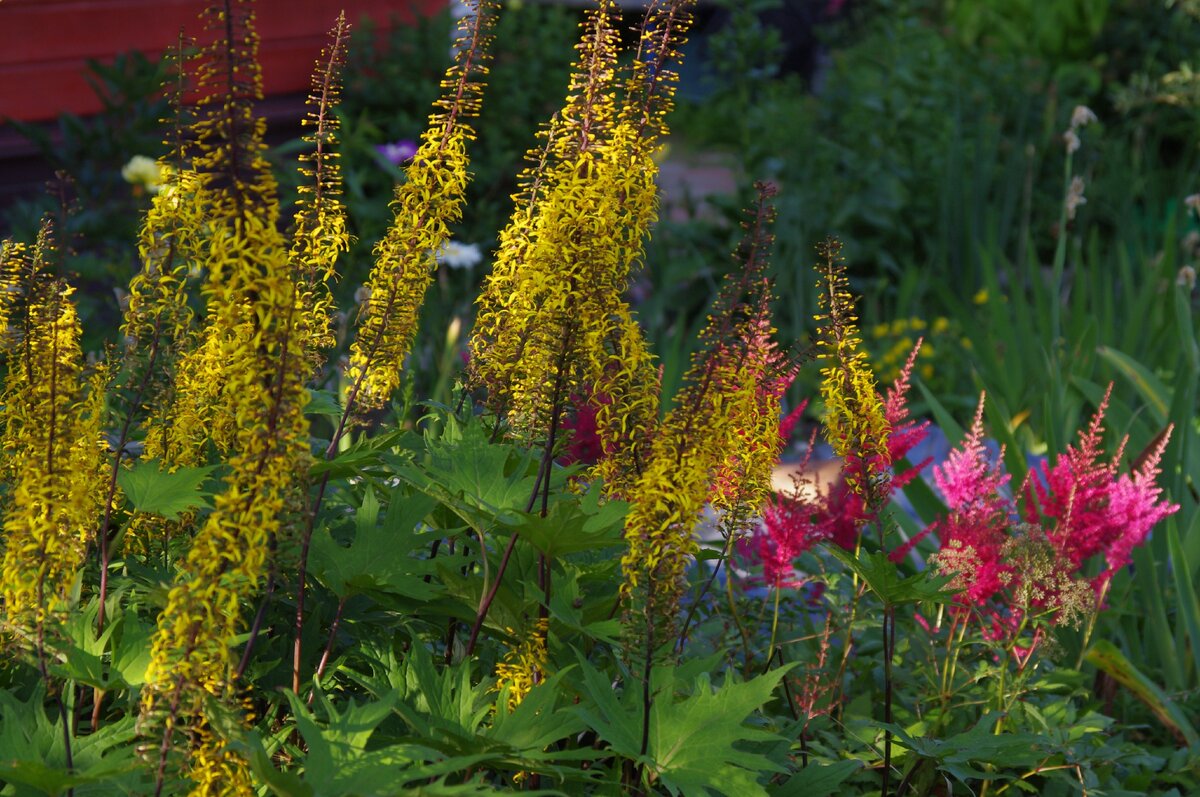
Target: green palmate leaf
point(700, 744)
point(32, 753)
point(81, 652)
point(573, 524)
point(1105, 655)
point(538, 721)
point(384, 555)
point(323, 402)
point(817, 780)
point(149, 488)
point(883, 578)
point(468, 473)
point(342, 760)
point(979, 745)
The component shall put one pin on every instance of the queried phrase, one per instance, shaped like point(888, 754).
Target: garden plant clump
point(241, 556)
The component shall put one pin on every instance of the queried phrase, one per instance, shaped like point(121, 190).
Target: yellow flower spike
point(428, 201)
point(53, 447)
point(719, 430)
point(854, 418)
point(13, 257)
point(320, 234)
point(243, 387)
point(551, 321)
point(524, 666)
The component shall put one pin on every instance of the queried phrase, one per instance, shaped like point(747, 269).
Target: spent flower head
point(1075, 197)
point(1082, 116)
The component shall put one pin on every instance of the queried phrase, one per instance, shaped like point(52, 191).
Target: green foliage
point(152, 489)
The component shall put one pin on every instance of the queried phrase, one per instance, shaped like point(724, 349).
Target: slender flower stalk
point(430, 199)
point(715, 429)
point(320, 234)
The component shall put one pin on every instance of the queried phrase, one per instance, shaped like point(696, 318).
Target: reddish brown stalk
point(544, 471)
point(333, 629)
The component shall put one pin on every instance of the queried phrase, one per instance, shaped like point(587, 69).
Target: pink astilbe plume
point(794, 522)
point(845, 511)
point(975, 531)
point(1089, 509)
point(906, 433)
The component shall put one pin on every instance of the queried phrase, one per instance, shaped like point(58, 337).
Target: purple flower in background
point(397, 152)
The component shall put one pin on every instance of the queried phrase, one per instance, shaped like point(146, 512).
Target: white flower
point(1191, 243)
point(1193, 202)
point(1075, 197)
point(1071, 140)
point(459, 255)
point(1186, 278)
point(144, 172)
point(1082, 116)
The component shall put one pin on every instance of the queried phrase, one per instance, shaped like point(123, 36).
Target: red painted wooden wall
point(45, 44)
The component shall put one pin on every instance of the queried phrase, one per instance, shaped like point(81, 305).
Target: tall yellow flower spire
point(724, 424)
point(855, 422)
point(243, 389)
point(320, 233)
point(430, 199)
point(552, 323)
point(53, 449)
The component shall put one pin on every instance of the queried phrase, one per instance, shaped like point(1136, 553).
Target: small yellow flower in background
point(940, 325)
point(144, 173)
point(981, 296)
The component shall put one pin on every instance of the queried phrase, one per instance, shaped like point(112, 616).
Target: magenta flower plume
point(966, 478)
point(975, 531)
point(906, 433)
point(1089, 509)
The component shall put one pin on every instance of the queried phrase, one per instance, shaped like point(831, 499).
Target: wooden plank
point(45, 44)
